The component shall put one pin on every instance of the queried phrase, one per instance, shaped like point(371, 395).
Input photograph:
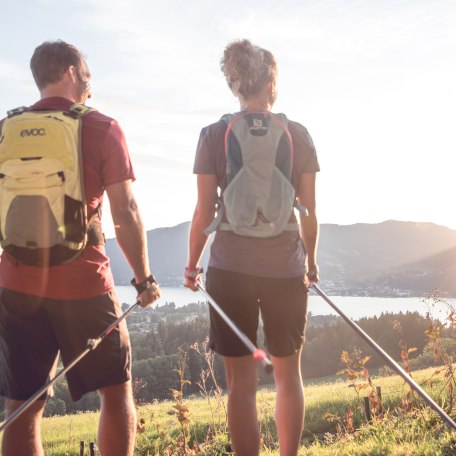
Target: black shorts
point(34, 329)
point(281, 302)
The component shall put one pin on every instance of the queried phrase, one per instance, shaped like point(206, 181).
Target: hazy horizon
point(320, 223)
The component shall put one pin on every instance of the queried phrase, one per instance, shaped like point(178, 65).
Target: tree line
point(155, 351)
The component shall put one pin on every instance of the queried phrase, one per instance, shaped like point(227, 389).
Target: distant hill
point(366, 248)
point(168, 249)
point(436, 271)
point(381, 257)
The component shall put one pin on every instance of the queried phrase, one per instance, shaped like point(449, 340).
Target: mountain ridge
point(379, 258)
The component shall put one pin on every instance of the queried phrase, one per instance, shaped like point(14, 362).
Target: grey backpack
point(259, 198)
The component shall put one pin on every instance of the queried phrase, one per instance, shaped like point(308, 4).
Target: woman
point(247, 275)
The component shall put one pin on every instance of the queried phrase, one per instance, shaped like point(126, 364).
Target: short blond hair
point(247, 68)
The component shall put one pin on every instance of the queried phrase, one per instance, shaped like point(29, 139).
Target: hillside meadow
point(335, 422)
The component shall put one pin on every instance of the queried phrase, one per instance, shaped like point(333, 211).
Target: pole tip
point(259, 355)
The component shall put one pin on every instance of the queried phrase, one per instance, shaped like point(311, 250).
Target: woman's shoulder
point(222, 124)
point(296, 127)
point(214, 132)
point(215, 127)
point(300, 134)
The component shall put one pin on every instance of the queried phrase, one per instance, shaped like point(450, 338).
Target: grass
point(419, 432)
point(62, 434)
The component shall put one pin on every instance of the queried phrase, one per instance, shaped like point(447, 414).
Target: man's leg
point(23, 436)
point(27, 356)
point(289, 402)
point(241, 379)
point(117, 427)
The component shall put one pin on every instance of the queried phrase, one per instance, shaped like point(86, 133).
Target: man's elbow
point(126, 213)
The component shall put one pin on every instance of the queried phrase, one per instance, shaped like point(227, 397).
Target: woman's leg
point(289, 402)
point(284, 309)
point(241, 378)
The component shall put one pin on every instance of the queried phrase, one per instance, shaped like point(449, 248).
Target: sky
point(374, 82)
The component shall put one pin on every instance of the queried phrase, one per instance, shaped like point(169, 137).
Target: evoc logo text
point(33, 132)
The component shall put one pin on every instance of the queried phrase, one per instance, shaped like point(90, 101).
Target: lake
point(355, 307)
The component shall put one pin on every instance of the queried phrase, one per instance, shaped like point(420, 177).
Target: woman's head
point(248, 69)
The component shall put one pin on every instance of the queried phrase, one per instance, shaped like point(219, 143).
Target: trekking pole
point(92, 344)
point(389, 360)
point(258, 354)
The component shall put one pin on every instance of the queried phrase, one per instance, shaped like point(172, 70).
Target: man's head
point(59, 67)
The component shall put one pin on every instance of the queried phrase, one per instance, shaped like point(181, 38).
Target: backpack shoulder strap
point(16, 111)
point(95, 234)
point(80, 110)
point(227, 118)
point(220, 210)
point(282, 118)
point(77, 109)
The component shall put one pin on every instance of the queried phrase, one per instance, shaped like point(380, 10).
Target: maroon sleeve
point(306, 160)
point(204, 157)
point(116, 161)
point(210, 152)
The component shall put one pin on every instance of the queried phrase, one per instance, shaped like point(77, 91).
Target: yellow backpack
point(43, 215)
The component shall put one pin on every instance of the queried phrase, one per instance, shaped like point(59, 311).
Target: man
point(47, 309)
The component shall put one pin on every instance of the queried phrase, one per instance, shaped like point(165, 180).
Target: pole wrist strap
point(192, 274)
point(144, 285)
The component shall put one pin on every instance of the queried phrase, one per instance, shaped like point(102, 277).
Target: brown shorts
point(33, 330)
point(282, 304)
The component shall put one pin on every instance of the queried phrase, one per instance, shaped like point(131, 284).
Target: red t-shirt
point(106, 161)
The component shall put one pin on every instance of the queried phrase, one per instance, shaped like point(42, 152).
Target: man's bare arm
point(130, 235)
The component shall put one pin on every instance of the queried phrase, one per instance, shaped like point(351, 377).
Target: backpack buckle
point(16, 111)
